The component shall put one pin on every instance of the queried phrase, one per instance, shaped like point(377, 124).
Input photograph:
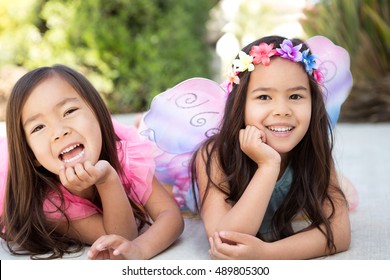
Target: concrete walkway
point(362, 154)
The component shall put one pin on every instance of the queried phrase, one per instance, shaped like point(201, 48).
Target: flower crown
point(262, 53)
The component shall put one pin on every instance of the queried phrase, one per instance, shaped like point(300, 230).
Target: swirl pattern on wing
point(334, 64)
point(178, 121)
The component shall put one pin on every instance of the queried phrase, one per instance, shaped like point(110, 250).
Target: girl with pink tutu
point(74, 178)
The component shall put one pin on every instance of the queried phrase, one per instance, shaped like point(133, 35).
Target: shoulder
point(137, 161)
point(209, 170)
point(206, 151)
point(125, 132)
point(132, 147)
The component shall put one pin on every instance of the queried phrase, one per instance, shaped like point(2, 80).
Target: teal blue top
point(281, 189)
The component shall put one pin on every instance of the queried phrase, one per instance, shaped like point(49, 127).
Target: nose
point(282, 108)
point(60, 131)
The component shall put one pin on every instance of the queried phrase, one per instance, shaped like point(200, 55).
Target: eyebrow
point(267, 89)
point(58, 105)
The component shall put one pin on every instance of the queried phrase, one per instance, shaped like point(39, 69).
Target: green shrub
point(130, 50)
point(360, 26)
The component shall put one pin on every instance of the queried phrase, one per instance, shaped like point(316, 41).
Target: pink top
point(3, 170)
point(137, 162)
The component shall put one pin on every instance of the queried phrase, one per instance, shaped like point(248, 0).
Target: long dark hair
point(311, 160)
point(23, 223)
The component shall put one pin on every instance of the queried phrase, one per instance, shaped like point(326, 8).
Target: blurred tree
point(130, 50)
point(363, 28)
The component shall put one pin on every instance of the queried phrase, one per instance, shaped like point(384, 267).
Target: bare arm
point(247, 214)
point(117, 214)
point(217, 214)
point(167, 226)
point(312, 243)
point(303, 245)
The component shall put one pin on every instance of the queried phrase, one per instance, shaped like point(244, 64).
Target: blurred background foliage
point(132, 50)
point(363, 28)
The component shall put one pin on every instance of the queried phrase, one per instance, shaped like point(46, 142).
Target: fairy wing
point(181, 117)
point(178, 121)
point(334, 64)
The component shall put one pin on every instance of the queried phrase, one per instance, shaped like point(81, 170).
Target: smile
point(280, 129)
point(72, 153)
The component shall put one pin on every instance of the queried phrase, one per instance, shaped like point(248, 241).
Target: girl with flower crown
point(267, 183)
point(72, 178)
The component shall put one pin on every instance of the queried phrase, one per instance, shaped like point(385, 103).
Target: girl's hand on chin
point(253, 143)
point(78, 179)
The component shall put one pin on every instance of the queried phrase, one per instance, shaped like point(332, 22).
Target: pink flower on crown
point(318, 76)
point(232, 78)
point(262, 53)
point(287, 50)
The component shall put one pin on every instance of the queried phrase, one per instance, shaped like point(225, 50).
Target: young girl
point(72, 179)
point(271, 163)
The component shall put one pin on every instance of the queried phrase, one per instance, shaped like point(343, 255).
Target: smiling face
point(278, 102)
point(60, 127)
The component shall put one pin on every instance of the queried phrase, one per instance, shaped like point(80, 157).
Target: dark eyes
point(69, 111)
point(37, 128)
point(41, 126)
point(267, 97)
point(264, 97)
point(295, 97)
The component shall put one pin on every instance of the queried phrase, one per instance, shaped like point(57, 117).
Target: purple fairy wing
point(334, 64)
point(178, 121)
point(183, 116)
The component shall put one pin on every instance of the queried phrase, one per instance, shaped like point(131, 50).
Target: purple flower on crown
point(262, 53)
point(287, 50)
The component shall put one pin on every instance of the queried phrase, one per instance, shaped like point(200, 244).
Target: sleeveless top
point(279, 193)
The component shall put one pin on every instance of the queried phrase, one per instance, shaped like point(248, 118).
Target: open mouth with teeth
point(72, 153)
point(280, 129)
